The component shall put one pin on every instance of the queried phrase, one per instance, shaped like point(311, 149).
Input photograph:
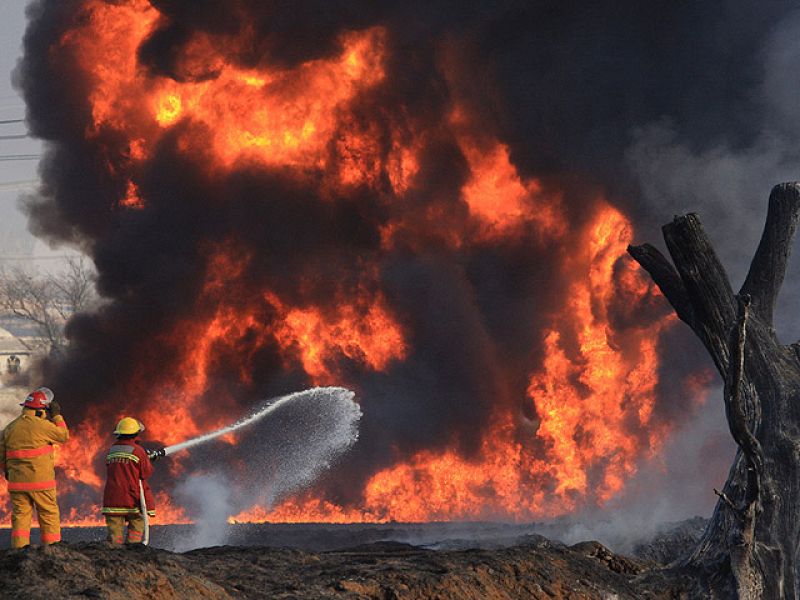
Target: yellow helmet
point(128, 426)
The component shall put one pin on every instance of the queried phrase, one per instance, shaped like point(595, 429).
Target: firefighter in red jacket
point(128, 467)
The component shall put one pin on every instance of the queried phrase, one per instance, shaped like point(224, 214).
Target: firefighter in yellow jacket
point(26, 455)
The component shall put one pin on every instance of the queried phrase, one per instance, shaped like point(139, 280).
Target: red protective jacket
point(127, 462)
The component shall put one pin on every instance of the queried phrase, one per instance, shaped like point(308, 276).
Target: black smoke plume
point(589, 96)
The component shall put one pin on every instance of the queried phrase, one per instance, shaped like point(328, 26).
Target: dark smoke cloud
point(662, 106)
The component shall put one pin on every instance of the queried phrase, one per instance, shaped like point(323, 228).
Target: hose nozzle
point(156, 454)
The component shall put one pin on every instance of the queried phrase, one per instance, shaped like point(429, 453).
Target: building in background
point(15, 357)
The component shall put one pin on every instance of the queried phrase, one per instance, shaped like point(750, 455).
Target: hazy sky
point(12, 222)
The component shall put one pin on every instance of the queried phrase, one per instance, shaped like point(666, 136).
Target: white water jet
point(336, 394)
point(292, 440)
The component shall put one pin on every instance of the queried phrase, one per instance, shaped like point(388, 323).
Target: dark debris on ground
point(381, 571)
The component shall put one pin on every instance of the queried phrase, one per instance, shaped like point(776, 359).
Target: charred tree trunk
point(749, 549)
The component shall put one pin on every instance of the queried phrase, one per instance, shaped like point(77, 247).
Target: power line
point(57, 257)
point(7, 121)
point(16, 136)
point(8, 157)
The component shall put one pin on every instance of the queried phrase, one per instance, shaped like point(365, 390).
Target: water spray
point(258, 415)
point(328, 394)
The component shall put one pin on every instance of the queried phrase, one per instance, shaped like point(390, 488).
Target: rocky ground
point(534, 567)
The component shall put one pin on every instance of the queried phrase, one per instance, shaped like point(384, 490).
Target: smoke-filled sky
point(658, 109)
point(16, 175)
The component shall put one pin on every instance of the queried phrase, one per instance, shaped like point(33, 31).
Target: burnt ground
point(389, 570)
point(662, 544)
point(533, 567)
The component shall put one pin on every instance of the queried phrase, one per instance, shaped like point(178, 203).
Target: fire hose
point(143, 502)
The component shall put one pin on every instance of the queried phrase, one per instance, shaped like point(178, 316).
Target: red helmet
point(38, 399)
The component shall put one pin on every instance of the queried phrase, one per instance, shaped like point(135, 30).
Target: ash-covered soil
point(538, 568)
point(381, 561)
point(661, 544)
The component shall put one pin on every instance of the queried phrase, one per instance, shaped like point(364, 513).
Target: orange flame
point(502, 202)
point(367, 334)
point(271, 116)
point(591, 402)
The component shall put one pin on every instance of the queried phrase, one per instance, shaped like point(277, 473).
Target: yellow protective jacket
point(26, 451)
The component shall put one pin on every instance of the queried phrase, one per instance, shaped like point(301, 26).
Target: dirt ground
point(383, 570)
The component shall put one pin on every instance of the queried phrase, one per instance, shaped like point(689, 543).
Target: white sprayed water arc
point(258, 415)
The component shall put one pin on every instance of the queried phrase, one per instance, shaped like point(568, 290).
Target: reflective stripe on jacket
point(126, 463)
point(26, 451)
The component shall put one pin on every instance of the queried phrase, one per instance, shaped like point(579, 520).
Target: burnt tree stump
point(749, 549)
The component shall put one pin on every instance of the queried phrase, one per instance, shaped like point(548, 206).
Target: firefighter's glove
point(54, 409)
point(154, 455)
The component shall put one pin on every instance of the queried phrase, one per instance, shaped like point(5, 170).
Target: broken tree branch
point(666, 278)
point(768, 266)
point(706, 283)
